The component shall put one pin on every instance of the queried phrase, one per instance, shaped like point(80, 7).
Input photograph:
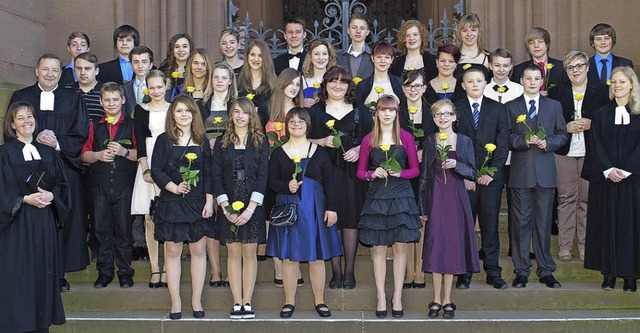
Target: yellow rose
point(217, 120)
point(278, 126)
point(466, 66)
point(175, 74)
point(357, 79)
point(297, 159)
point(145, 91)
point(330, 123)
point(110, 120)
point(502, 90)
point(413, 109)
point(316, 85)
point(608, 82)
point(379, 90)
point(191, 156)
point(251, 96)
point(411, 68)
point(190, 89)
point(548, 66)
point(444, 86)
point(385, 148)
point(521, 118)
point(490, 147)
point(443, 136)
point(238, 205)
point(579, 97)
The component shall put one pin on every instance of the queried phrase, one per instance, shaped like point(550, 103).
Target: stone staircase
point(580, 305)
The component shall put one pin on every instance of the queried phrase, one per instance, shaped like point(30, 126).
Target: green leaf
point(337, 143)
point(542, 134)
point(145, 172)
point(125, 142)
point(528, 135)
point(273, 136)
point(298, 169)
point(394, 166)
point(491, 171)
point(104, 143)
point(234, 228)
point(284, 139)
point(183, 169)
point(418, 132)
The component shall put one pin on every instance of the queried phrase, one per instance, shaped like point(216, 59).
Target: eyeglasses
point(443, 115)
point(579, 67)
point(413, 87)
point(297, 122)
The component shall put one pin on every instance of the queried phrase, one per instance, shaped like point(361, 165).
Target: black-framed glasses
point(443, 115)
point(413, 87)
point(579, 67)
point(297, 122)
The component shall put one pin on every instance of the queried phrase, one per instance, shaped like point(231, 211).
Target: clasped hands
point(39, 199)
point(534, 140)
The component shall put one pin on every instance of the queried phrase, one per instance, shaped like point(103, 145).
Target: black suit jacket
point(66, 77)
point(594, 75)
point(493, 127)
point(363, 89)
point(281, 62)
point(129, 98)
point(557, 75)
point(365, 69)
point(110, 72)
point(530, 165)
point(428, 59)
point(595, 96)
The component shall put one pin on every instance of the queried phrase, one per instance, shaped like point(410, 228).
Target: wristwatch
point(126, 152)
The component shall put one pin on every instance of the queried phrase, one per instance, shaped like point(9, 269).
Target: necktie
point(139, 92)
point(544, 74)
point(532, 109)
point(603, 71)
point(496, 86)
point(294, 55)
point(476, 114)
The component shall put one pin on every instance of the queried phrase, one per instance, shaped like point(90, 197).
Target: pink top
point(406, 139)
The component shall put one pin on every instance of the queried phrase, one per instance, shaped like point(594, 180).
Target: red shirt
point(113, 129)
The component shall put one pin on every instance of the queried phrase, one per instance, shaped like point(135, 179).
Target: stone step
point(571, 270)
point(496, 321)
point(572, 296)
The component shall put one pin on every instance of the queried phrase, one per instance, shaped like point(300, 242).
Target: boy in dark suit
point(602, 38)
point(77, 42)
point(533, 178)
point(484, 121)
point(538, 42)
point(141, 58)
point(111, 152)
point(294, 34)
point(357, 59)
point(119, 70)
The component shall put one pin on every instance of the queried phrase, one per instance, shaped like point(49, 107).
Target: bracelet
point(249, 209)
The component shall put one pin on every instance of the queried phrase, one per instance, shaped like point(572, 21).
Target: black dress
point(178, 218)
point(350, 198)
point(613, 231)
point(28, 243)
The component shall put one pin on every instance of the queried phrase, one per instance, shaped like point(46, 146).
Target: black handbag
point(286, 215)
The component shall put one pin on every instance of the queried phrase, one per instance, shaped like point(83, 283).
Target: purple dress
point(449, 240)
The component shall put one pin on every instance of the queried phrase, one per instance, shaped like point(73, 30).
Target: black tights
point(350, 247)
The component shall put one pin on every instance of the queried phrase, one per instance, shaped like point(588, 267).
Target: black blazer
point(557, 74)
point(363, 89)
point(493, 127)
point(428, 59)
point(110, 71)
point(595, 96)
point(129, 98)
point(428, 125)
point(616, 61)
point(281, 62)
point(256, 167)
point(66, 77)
point(365, 69)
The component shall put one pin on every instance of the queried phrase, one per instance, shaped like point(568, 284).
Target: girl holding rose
point(445, 85)
point(240, 163)
point(181, 167)
point(449, 239)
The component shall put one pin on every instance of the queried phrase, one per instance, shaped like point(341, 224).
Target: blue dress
point(309, 239)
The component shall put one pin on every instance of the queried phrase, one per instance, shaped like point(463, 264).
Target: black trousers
point(112, 230)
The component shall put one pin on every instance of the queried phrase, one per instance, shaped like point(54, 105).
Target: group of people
point(420, 146)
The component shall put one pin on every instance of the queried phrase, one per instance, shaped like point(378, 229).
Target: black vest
point(122, 172)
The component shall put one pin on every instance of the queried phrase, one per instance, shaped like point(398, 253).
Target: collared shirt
point(471, 101)
point(597, 57)
point(73, 70)
point(537, 99)
point(514, 90)
point(113, 129)
point(138, 89)
point(295, 61)
point(355, 58)
point(126, 69)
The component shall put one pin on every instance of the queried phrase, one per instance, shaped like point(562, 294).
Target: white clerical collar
point(30, 153)
point(47, 98)
point(622, 116)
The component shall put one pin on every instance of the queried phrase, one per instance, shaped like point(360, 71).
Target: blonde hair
point(189, 80)
point(268, 72)
point(307, 65)
point(278, 97)
point(232, 92)
point(402, 36)
point(473, 21)
point(634, 98)
point(386, 102)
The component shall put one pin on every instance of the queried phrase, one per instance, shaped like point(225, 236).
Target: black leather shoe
point(381, 314)
point(198, 314)
point(287, 314)
point(333, 284)
point(126, 281)
point(175, 316)
point(550, 281)
point(419, 285)
point(630, 286)
point(407, 285)
point(349, 284)
point(64, 285)
point(463, 282)
point(397, 313)
point(102, 281)
point(320, 309)
point(449, 311)
point(497, 282)
point(520, 281)
point(300, 282)
point(609, 283)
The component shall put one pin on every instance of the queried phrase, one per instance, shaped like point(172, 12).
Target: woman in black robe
point(613, 231)
point(28, 226)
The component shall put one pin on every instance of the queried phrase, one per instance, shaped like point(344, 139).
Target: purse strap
point(305, 166)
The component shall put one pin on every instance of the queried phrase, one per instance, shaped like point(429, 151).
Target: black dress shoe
point(349, 284)
point(64, 285)
point(175, 316)
point(261, 257)
point(126, 281)
point(300, 282)
point(609, 283)
point(397, 313)
point(407, 285)
point(520, 281)
point(449, 311)
point(419, 285)
point(550, 281)
point(630, 286)
point(497, 282)
point(287, 314)
point(102, 281)
point(381, 313)
point(463, 283)
point(333, 284)
point(320, 309)
point(198, 314)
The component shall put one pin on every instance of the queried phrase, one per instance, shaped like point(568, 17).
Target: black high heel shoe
point(175, 315)
point(154, 285)
point(434, 309)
